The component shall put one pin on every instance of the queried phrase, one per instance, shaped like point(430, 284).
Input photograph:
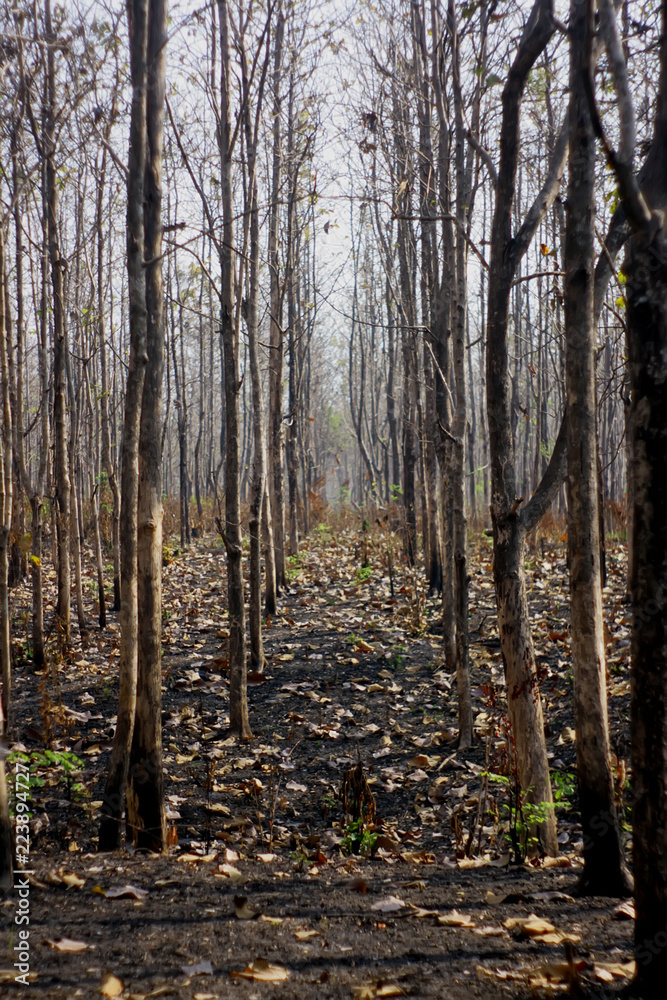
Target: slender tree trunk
point(460, 417)
point(6, 474)
point(146, 814)
point(114, 794)
point(509, 525)
point(6, 847)
point(604, 870)
point(276, 349)
point(239, 723)
point(61, 464)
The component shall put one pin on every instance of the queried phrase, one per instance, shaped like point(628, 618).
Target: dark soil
point(352, 675)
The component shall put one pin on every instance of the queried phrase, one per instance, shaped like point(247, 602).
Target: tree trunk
point(146, 814)
point(646, 295)
point(604, 870)
point(6, 474)
point(61, 464)
point(276, 349)
point(239, 723)
point(114, 793)
point(509, 525)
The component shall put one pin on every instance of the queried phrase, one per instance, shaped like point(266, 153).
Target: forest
point(333, 480)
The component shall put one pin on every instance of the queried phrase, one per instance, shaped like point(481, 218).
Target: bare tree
point(604, 868)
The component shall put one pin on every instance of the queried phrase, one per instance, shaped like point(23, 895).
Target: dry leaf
point(305, 935)
point(267, 858)
point(388, 905)
point(67, 944)
point(125, 891)
point(111, 986)
point(242, 910)
point(262, 971)
point(72, 881)
point(230, 872)
point(203, 968)
point(623, 970)
point(369, 991)
point(455, 919)
point(624, 911)
point(357, 884)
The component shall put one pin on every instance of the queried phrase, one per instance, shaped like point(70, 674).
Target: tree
point(138, 727)
point(57, 264)
point(510, 520)
point(645, 202)
point(604, 869)
point(239, 722)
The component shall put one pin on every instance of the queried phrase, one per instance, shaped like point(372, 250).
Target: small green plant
point(293, 568)
point(564, 785)
point(358, 839)
point(397, 658)
point(66, 767)
point(323, 532)
point(353, 639)
point(363, 574)
point(519, 818)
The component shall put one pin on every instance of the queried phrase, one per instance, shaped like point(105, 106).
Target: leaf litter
point(351, 675)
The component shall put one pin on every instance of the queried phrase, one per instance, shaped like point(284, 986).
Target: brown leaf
point(242, 910)
point(67, 944)
point(357, 885)
point(111, 986)
point(455, 919)
point(263, 972)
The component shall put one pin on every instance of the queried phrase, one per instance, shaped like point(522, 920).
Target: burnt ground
point(430, 901)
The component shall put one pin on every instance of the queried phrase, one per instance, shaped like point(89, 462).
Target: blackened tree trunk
point(509, 523)
point(6, 484)
point(239, 722)
point(57, 264)
point(114, 793)
point(604, 870)
point(276, 339)
point(146, 814)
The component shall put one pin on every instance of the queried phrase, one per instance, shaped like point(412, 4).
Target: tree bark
point(604, 870)
point(276, 348)
point(146, 814)
point(239, 722)
point(61, 464)
point(6, 485)
point(114, 793)
point(509, 526)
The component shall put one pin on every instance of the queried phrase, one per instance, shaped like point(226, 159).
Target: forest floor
point(269, 890)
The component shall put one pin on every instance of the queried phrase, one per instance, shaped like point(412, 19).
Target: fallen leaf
point(230, 872)
point(111, 986)
point(388, 905)
point(623, 970)
point(357, 885)
point(72, 880)
point(624, 911)
point(294, 786)
point(242, 910)
point(203, 968)
point(455, 919)
point(67, 944)
point(262, 971)
point(369, 991)
point(305, 935)
point(267, 858)
point(125, 891)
